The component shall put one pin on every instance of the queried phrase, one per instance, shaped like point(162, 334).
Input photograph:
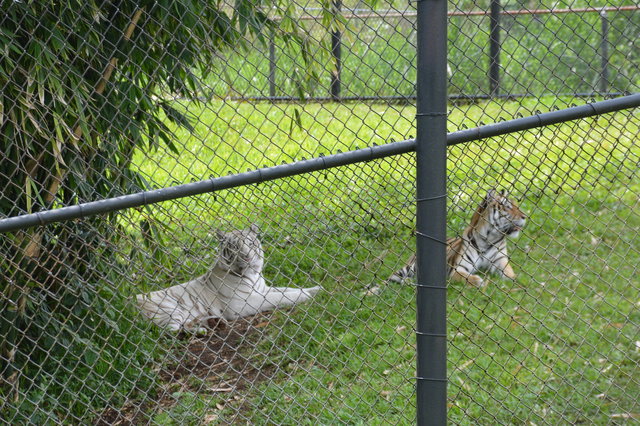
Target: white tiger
point(233, 288)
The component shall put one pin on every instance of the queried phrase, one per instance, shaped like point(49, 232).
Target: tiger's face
point(241, 251)
point(502, 214)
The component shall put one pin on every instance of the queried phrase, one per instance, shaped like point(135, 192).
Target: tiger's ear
point(220, 234)
point(254, 228)
point(492, 194)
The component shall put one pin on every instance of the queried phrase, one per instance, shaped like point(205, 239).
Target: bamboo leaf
point(56, 146)
point(27, 190)
point(177, 116)
point(41, 94)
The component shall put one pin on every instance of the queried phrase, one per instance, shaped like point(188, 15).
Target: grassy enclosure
point(559, 339)
point(558, 345)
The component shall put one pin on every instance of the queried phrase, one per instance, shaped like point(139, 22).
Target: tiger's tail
point(406, 272)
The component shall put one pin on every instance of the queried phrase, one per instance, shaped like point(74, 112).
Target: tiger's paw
point(508, 273)
point(371, 291)
point(476, 281)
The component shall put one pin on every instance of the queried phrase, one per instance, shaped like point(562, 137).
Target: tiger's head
point(240, 251)
point(500, 213)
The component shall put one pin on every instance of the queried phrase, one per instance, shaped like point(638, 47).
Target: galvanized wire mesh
point(559, 344)
point(100, 101)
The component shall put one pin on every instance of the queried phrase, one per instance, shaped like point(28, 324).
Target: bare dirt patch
point(220, 364)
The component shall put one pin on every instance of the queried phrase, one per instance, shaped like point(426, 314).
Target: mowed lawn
point(558, 345)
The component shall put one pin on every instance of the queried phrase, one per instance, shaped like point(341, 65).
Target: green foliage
point(83, 87)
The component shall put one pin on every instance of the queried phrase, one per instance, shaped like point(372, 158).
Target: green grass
point(558, 345)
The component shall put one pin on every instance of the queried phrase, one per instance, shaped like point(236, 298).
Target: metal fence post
point(431, 299)
point(336, 43)
point(604, 52)
point(494, 48)
point(272, 64)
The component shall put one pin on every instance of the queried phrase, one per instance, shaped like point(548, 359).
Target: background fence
point(125, 150)
point(500, 51)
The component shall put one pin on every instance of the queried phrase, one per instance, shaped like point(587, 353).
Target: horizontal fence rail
point(409, 14)
point(409, 98)
point(311, 165)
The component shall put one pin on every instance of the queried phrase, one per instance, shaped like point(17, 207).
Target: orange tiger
point(482, 245)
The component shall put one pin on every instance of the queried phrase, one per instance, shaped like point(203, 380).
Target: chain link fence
point(495, 51)
point(139, 138)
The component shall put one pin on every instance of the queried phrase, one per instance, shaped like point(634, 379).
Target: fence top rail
point(394, 14)
point(550, 11)
point(80, 211)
